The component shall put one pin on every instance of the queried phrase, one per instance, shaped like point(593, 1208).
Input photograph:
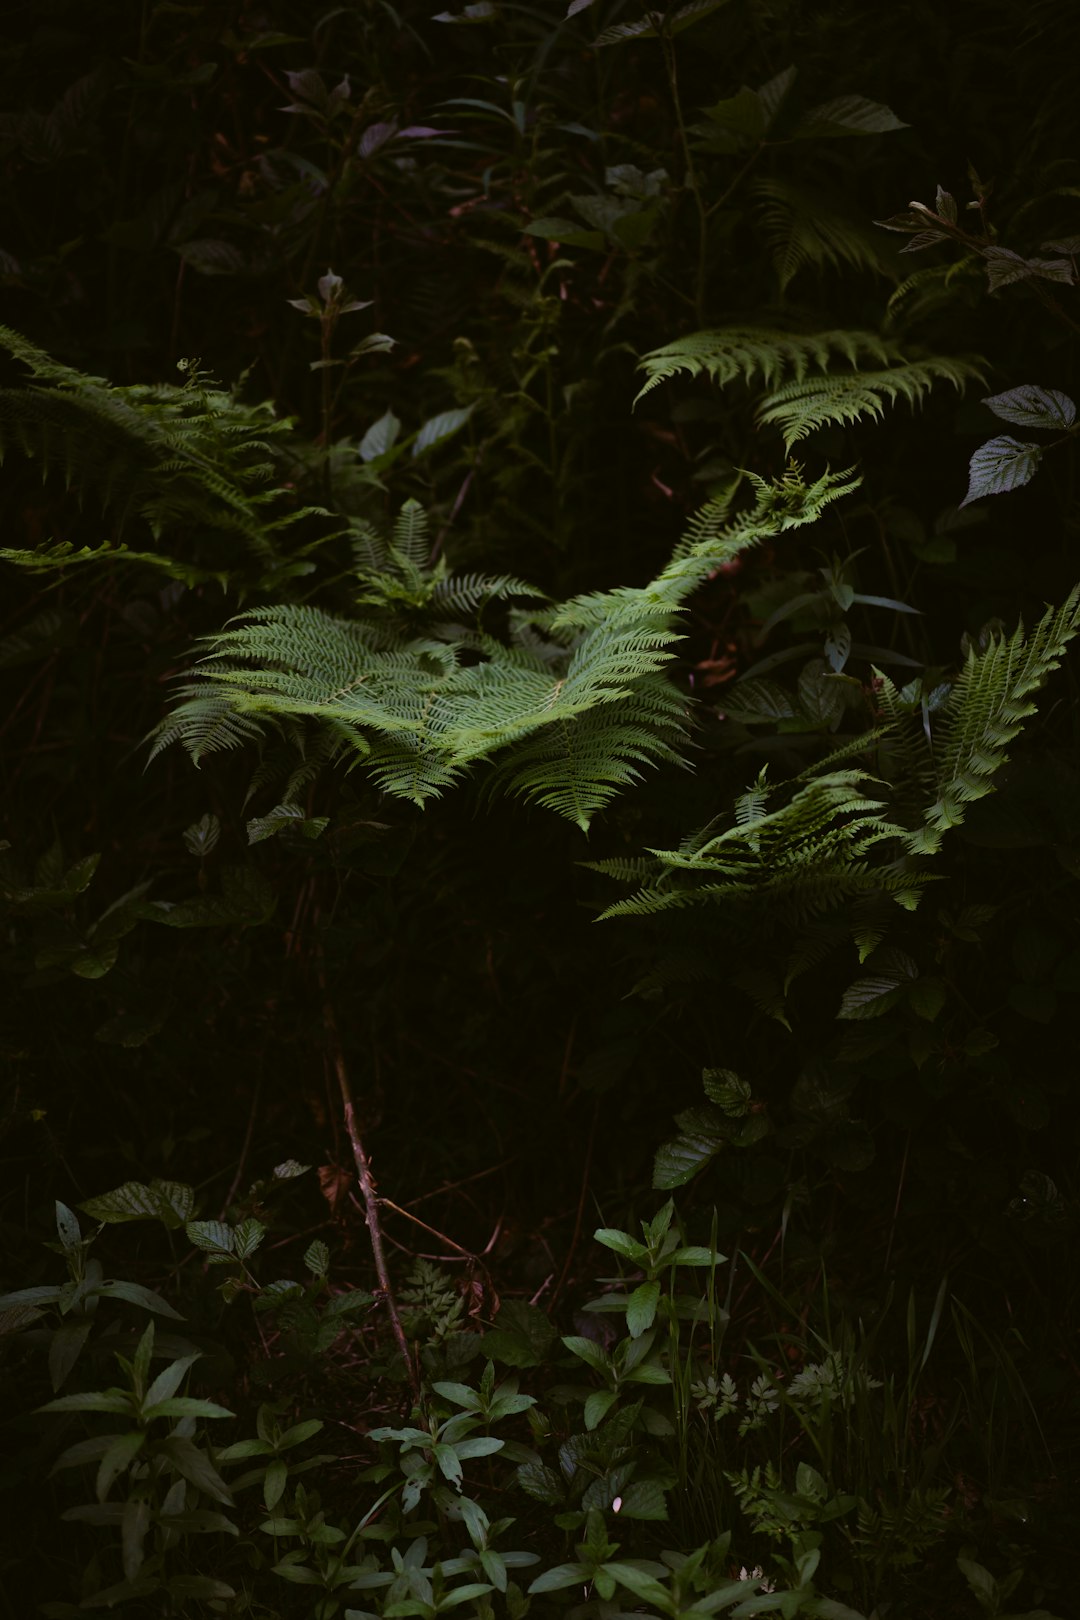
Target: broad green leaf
point(597, 1407)
point(562, 1576)
point(521, 1337)
point(247, 1237)
point(641, 1308)
point(183, 1406)
point(876, 992)
point(566, 231)
point(1003, 267)
point(847, 115)
point(121, 1454)
point(727, 1091)
point(438, 428)
point(67, 1227)
point(1033, 407)
point(588, 1351)
point(168, 1381)
point(317, 1258)
point(136, 1294)
point(214, 1237)
point(171, 1202)
point(541, 1482)
point(374, 343)
point(195, 1466)
point(44, 1294)
point(621, 1242)
point(111, 1400)
point(380, 437)
point(289, 1169)
point(643, 1499)
point(1001, 465)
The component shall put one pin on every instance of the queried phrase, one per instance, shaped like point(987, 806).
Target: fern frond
point(411, 539)
point(205, 722)
point(730, 353)
point(188, 458)
point(806, 855)
point(985, 712)
point(799, 407)
point(803, 227)
point(572, 708)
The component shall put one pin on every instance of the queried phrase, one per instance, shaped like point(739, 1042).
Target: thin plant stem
point(365, 1178)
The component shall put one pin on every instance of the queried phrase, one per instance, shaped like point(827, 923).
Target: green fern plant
point(185, 459)
point(571, 702)
point(806, 389)
point(838, 834)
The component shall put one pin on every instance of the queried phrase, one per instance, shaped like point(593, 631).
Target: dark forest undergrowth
point(539, 854)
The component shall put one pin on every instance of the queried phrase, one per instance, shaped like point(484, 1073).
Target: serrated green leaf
point(213, 1237)
point(847, 115)
point(1030, 406)
point(1001, 465)
point(521, 1337)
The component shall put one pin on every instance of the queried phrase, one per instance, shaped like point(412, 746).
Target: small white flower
point(756, 1574)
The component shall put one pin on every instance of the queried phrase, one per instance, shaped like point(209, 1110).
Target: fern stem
point(690, 176)
point(365, 1178)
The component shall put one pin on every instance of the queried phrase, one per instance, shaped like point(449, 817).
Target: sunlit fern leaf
point(799, 407)
point(805, 228)
point(571, 702)
point(750, 352)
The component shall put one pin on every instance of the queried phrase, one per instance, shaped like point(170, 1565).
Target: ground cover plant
point(539, 855)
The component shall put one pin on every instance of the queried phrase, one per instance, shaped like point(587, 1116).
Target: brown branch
point(366, 1180)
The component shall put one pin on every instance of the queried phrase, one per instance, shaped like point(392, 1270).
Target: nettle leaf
point(876, 992)
point(727, 1091)
point(214, 1237)
point(679, 1161)
point(1000, 465)
point(1003, 267)
point(848, 115)
point(521, 1337)
point(1030, 406)
point(171, 1202)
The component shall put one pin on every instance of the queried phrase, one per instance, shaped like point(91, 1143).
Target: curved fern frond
point(747, 352)
point(571, 706)
point(800, 407)
point(188, 458)
point(985, 712)
point(804, 228)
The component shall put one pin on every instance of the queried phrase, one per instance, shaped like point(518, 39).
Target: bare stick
point(367, 1183)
